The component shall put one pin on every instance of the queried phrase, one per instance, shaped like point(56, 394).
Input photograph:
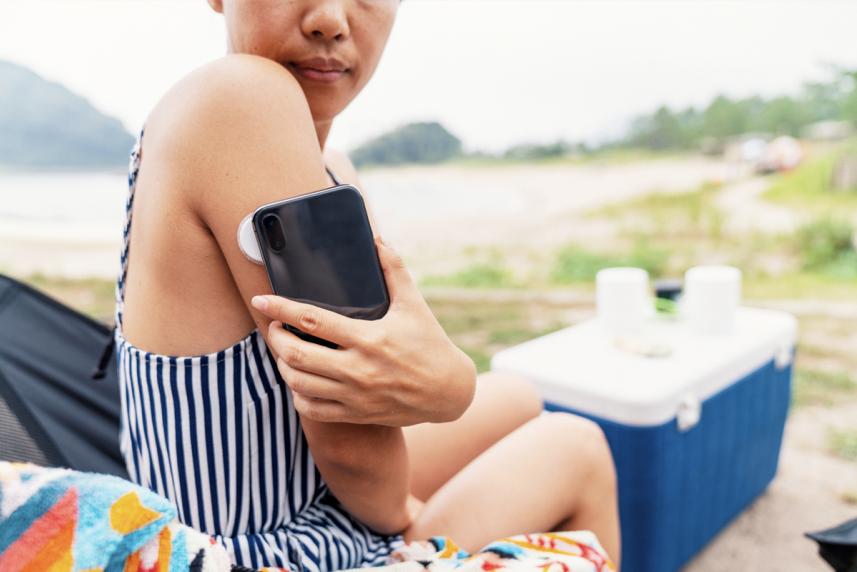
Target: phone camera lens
point(274, 232)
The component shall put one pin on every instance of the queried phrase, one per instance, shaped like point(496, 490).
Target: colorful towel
point(577, 551)
point(57, 519)
point(63, 520)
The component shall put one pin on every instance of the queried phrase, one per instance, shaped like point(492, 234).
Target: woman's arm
point(367, 469)
point(233, 135)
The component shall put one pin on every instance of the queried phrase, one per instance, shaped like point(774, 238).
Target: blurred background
point(510, 150)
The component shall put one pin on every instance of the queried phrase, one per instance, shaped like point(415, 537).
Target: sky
point(494, 72)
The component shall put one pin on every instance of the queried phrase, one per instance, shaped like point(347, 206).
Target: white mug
point(711, 298)
point(623, 299)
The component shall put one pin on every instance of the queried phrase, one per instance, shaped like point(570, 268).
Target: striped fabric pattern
point(219, 436)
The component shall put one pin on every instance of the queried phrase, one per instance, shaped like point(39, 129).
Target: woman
point(290, 453)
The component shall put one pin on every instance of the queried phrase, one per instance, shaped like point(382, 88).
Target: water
point(70, 224)
point(62, 207)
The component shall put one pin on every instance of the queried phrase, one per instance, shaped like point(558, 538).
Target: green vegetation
point(413, 143)
point(843, 443)
point(670, 215)
point(44, 125)
point(663, 131)
point(518, 335)
point(724, 117)
point(488, 274)
point(94, 297)
point(802, 285)
point(826, 246)
point(810, 186)
point(536, 152)
point(814, 387)
point(575, 264)
point(481, 329)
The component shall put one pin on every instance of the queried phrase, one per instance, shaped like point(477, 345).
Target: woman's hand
point(399, 370)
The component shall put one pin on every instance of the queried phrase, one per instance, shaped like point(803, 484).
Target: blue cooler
point(695, 434)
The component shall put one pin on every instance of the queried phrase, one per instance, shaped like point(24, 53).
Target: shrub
point(826, 245)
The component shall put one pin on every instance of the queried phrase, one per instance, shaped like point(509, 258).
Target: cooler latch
point(783, 357)
point(689, 412)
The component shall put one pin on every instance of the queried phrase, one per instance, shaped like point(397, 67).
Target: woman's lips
point(322, 74)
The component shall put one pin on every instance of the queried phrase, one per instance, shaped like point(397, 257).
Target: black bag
point(52, 410)
point(838, 546)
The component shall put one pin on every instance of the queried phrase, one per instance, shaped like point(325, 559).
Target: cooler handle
point(689, 413)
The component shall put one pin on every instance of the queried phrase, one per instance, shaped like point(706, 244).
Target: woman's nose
point(326, 21)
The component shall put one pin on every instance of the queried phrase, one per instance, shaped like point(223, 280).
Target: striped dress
point(218, 435)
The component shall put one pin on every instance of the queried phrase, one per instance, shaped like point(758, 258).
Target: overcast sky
point(494, 72)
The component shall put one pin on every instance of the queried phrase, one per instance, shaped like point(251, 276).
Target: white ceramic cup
point(711, 298)
point(623, 299)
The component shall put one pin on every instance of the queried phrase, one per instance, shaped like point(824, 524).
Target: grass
point(484, 274)
point(808, 186)
point(513, 336)
point(826, 246)
point(843, 443)
point(815, 387)
point(671, 216)
point(803, 285)
point(569, 265)
point(484, 328)
point(574, 264)
point(94, 297)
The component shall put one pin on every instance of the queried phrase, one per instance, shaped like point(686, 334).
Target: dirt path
point(745, 210)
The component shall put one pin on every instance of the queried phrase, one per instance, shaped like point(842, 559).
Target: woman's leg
point(437, 451)
point(554, 473)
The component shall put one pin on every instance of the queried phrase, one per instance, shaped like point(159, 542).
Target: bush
point(826, 245)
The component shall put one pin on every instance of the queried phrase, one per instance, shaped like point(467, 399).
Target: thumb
point(399, 280)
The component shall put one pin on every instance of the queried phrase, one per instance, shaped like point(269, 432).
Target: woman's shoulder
point(234, 97)
point(234, 81)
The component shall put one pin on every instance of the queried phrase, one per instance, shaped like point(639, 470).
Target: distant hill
point(426, 142)
point(44, 125)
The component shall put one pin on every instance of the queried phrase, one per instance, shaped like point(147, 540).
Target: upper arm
point(345, 171)
point(233, 135)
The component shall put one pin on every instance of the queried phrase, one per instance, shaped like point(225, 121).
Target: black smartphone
point(318, 248)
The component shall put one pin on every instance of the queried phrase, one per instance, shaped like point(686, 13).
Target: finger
point(311, 384)
point(305, 356)
point(319, 322)
point(319, 409)
point(399, 281)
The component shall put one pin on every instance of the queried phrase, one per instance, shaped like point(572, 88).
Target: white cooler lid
point(581, 368)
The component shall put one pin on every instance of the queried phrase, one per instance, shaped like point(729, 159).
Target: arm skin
point(233, 135)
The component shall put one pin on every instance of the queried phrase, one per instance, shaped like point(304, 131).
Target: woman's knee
point(583, 442)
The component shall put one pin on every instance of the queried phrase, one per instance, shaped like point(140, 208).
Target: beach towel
point(571, 551)
point(59, 519)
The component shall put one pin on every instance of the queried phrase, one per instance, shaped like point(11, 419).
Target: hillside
point(45, 125)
